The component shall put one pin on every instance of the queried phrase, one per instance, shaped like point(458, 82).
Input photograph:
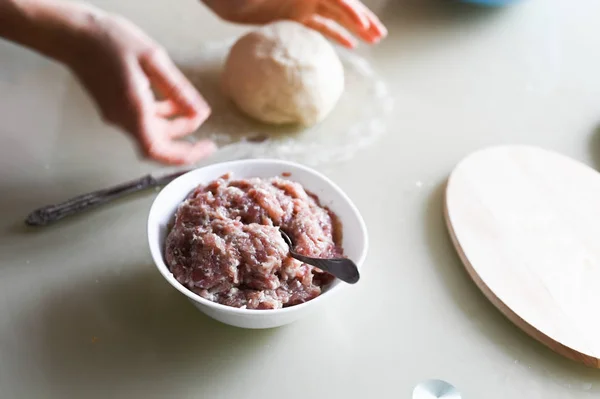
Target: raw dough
point(284, 73)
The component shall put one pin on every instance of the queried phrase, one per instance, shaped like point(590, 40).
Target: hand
point(120, 66)
point(336, 19)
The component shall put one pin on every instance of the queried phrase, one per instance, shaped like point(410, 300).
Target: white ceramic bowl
point(355, 240)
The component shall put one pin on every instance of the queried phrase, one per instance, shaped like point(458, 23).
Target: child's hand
point(119, 66)
point(337, 19)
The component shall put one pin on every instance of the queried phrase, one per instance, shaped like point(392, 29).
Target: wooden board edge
point(530, 330)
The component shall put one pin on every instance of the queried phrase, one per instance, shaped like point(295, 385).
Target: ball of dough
point(284, 73)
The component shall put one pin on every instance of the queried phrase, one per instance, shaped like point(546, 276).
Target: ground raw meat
point(225, 243)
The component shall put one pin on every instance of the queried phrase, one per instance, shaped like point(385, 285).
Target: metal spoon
point(53, 213)
point(50, 214)
point(342, 268)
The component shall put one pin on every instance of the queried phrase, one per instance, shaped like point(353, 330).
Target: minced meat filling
point(225, 244)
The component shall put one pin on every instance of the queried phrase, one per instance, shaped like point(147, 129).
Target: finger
point(348, 10)
point(166, 108)
point(175, 128)
point(331, 29)
point(134, 102)
point(375, 25)
point(174, 85)
point(348, 24)
point(180, 152)
point(373, 31)
point(178, 127)
point(156, 136)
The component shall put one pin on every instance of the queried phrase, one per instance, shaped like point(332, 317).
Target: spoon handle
point(342, 268)
point(52, 213)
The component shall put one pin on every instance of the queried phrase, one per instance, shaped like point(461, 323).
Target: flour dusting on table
point(356, 122)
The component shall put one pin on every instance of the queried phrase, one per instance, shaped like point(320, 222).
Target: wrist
point(54, 28)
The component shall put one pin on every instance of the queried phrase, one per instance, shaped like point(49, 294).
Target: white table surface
point(84, 313)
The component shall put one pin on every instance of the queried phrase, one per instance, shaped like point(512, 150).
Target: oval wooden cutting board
point(526, 224)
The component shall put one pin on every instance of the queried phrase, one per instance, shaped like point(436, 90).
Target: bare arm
point(117, 64)
point(49, 27)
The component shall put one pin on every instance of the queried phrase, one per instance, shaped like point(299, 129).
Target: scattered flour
point(356, 122)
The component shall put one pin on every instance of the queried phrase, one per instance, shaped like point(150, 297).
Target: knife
point(52, 213)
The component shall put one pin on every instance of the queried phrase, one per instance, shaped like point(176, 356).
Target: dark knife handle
point(52, 213)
